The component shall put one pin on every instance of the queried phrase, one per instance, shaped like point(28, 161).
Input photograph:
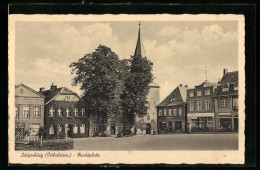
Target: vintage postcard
point(130, 89)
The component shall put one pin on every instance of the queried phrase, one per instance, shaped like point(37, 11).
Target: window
point(207, 104)
point(236, 88)
point(160, 112)
point(75, 129)
point(199, 105)
point(192, 106)
point(67, 112)
point(210, 121)
point(95, 128)
point(26, 110)
point(172, 100)
point(148, 117)
point(174, 112)
point(59, 112)
point(52, 110)
point(82, 111)
point(76, 112)
point(51, 130)
point(199, 93)
point(16, 112)
point(67, 98)
point(36, 112)
point(235, 103)
point(169, 112)
point(82, 128)
point(224, 102)
point(59, 129)
point(225, 89)
point(164, 112)
point(207, 92)
point(191, 94)
point(180, 111)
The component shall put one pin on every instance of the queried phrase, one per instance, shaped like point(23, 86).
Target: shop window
point(52, 110)
point(33, 129)
point(169, 112)
point(51, 130)
point(75, 129)
point(26, 111)
point(207, 92)
point(210, 121)
point(207, 104)
point(199, 93)
point(95, 127)
point(199, 105)
point(82, 128)
point(192, 106)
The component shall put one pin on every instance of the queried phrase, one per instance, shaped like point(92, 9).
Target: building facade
point(29, 107)
point(200, 104)
point(65, 113)
point(172, 111)
point(226, 102)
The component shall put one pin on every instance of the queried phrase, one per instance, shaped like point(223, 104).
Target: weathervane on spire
point(206, 73)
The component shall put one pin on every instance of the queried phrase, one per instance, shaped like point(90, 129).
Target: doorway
point(148, 128)
point(170, 126)
point(112, 129)
point(235, 124)
point(178, 126)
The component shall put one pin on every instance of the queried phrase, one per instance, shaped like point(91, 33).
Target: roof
point(50, 95)
point(176, 97)
point(230, 77)
point(138, 44)
point(30, 89)
point(208, 84)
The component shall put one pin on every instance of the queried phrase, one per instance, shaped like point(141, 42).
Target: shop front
point(227, 122)
point(201, 122)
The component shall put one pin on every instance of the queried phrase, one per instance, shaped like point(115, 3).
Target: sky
point(179, 50)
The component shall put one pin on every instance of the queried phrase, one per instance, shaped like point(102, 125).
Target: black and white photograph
point(162, 87)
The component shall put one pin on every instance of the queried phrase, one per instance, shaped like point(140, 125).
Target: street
point(160, 142)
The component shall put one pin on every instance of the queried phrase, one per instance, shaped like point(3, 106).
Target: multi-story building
point(172, 111)
point(226, 102)
point(65, 113)
point(200, 104)
point(29, 108)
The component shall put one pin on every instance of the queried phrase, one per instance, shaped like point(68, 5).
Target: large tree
point(136, 88)
point(100, 79)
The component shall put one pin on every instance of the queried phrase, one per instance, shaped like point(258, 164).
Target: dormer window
point(172, 100)
point(67, 98)
point(199, 93)
point(207, 92)
point(191, 94)
point(225, 89)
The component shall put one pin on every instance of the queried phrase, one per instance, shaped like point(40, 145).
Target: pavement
point(225, 141)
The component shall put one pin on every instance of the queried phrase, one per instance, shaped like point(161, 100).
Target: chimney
point(218, 81)
point(181, 85)
point(225, 71)
point(186, 86)
point(53, 87)
point(41, 89)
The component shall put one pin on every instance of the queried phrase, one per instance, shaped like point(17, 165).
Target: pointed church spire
point(138, 44)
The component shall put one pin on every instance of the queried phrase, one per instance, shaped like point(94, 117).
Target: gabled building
point(65, 113)
point(226, 102)
point(200, 104)
point(29, 108)
point(172, 111)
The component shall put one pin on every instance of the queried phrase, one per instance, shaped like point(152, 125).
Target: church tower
point(148, 123)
